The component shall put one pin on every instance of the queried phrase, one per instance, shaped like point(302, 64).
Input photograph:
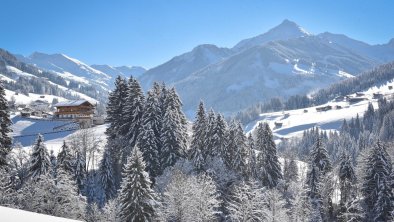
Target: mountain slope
point(67, 67)
point(124, 71)
point(383, 53)
point(182, 66)
point(24, 79)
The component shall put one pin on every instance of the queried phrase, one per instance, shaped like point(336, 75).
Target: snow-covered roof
point(72, 103)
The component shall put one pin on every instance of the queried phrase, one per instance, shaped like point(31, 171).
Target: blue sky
point(150, 32)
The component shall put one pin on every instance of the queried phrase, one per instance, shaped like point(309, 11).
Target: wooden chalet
point(79, 110)
point(353, 100)
point(278, 124)
point(323, 108)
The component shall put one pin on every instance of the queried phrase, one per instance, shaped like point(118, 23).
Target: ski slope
point(294, 122)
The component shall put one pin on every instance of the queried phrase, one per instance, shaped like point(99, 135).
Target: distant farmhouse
point(81, 111)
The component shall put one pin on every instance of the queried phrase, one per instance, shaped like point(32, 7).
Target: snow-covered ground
point(294, 122)
point(23, 99)
point(15, 215)
point(25, 131)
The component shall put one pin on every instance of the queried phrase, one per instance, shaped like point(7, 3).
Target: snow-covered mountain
point(282, 62)
point(73, 69)
point(182, 66)
point(27, 82)
point(125, 71)
point(286, 30)
point(383, 53)
point(65, 66)
point(277, 69)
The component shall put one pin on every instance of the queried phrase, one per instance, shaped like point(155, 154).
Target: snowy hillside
point(12, 215)
point(27, 82)
point(124, 71)
point(294, 122)
point(67, 67)
point(73, 69)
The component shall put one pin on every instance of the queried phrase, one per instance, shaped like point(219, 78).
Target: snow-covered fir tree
point(5, 129)
point(132, 117)
point(220, 135)
point(172, 138)
point(79, 170)
point(65, 159)
point(384, 206)
point(106, 175)
point(115, 107)
point(7, 191)
point(268, 161)
point(198, 143)
point(320, 158)
point(378, 169)
point(39, 161)
point(53, 168)
point(290, 169)
point(137, 200)
point(347, 182)
point(236, 149)
point(252, 158)
point(149, 138)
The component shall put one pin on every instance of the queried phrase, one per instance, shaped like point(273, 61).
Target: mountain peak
point(289, 26)
point(285, 30)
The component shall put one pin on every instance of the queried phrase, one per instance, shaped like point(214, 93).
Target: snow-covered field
point(294, 122)
point(25, 131)
point(13, 215)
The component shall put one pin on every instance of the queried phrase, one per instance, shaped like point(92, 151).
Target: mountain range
point(284, 61)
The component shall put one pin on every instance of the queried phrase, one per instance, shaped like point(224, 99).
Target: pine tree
point(106, 176)
point(220, 135)
point(79, 170)
point(115, 107)
point(5, 123)
point(377, 169)
point(210, 135)
point(368, 118)
point(65, 159)
point(320, 158)
point(241, 155)
point(197, 146)
point(136, 197)
point(132, 116)
point(268, 161)
point(53, 168)
point(236, 149)
point(347, 180)
point(7, 193)
point(252, 158)
point(149, 144)
point(149, 137)
point(172, 138)
point(39, 161)
point(384, 206)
